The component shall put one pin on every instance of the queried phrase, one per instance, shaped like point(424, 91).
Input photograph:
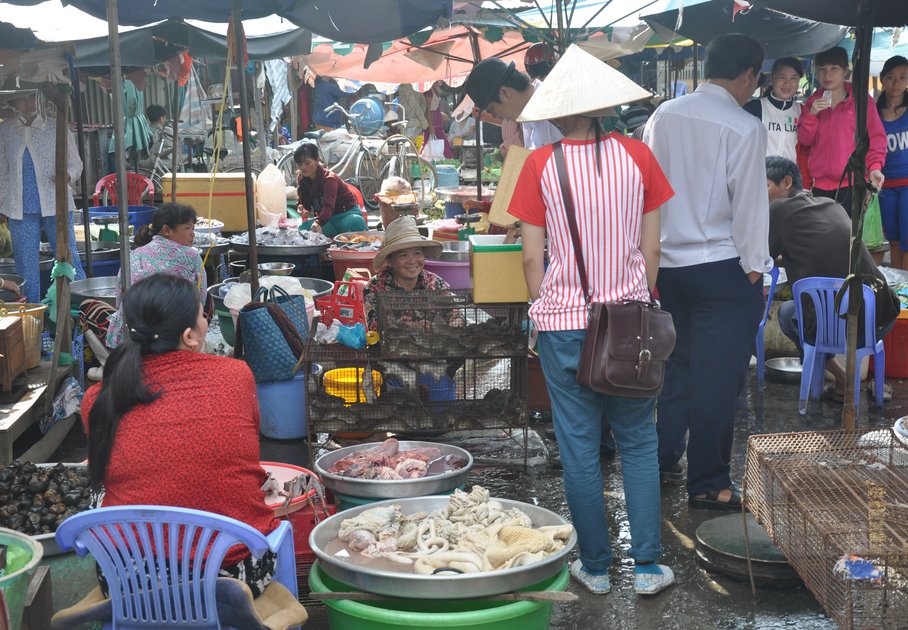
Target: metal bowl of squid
point(393, 488)
point(784, 369)
point(443, 585)
point(102, 288)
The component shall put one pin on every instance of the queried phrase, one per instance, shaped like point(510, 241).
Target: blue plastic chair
point(143, 593)
point(831, 338)
point(760, 345)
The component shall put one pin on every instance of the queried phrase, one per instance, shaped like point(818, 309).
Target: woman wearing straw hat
point(617, 188)
point(400, 265)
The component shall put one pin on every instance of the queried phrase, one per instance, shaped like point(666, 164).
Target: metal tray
point(287, 250)
point(442, 586)
point(393, 488)
point(99, 288)
point(784, 369)
point(462, 193)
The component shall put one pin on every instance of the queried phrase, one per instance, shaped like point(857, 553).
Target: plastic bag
point(434, 149)
point(872, 234)
point(270, 191)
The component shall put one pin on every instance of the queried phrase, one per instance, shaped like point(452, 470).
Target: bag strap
point(568, 199)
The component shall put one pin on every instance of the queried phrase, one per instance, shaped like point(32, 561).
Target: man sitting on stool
point(812, 235)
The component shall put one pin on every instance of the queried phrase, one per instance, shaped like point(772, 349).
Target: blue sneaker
point(650, 579)
point(597, 584)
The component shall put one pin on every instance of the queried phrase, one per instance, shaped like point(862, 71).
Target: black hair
point(835, 56)
point(777, 168)
point(516, 80)
point(305, 150)
point(154, 112)
point(730, 54)
point(891, 64)
point(788, 62)
point(171, 215)
point(156, 312)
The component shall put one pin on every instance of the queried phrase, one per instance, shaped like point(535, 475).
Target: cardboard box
point(497, 270)
point(227, 196)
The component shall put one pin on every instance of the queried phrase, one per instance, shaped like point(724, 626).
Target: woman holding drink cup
point(827, 129)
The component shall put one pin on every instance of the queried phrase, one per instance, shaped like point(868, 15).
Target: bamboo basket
point(32, 326)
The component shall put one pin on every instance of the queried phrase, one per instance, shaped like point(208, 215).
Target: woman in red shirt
point(154, 436)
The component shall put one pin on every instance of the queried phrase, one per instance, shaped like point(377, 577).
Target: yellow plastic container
point(497, 270)
point(347, 383)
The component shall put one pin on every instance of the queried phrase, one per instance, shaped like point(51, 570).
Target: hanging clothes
point(136, 130)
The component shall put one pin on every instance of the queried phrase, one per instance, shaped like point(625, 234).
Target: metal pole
point(83, 178)
point(696, 70)
point(477, 57)
point(116, 85)
point(247, 154)
point(175, 143)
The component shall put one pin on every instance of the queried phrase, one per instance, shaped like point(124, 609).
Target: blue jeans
point(577, 413)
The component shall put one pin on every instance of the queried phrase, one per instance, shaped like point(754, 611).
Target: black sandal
point(710, 500)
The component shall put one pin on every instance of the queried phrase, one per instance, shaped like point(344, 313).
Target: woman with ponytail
point(153, 435)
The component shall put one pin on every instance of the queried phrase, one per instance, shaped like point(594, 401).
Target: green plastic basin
point(22, 557)
point(344, 614)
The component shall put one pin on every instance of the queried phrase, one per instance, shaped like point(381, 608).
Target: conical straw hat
point(580, 84)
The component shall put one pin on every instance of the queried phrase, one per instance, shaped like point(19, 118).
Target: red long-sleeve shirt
point(830, 138)
point(196, 446)
point(326, 195)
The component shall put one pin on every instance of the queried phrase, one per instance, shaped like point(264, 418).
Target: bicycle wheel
point(367, 177)
point(287, 166)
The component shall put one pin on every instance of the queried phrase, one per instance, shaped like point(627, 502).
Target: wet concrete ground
point(699, 599)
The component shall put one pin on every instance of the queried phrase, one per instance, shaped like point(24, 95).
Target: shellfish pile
point(35, 500)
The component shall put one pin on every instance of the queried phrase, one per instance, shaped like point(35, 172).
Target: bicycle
point(403, 157)
point(360, 165)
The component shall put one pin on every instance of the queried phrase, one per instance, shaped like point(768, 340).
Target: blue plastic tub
point(282, 406)
point(453, 208)
point(138, 215)
point(442, 388)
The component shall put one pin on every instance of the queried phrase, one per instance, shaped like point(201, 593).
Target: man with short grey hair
point(714, 253)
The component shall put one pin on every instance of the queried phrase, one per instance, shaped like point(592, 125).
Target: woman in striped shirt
point(617, 188)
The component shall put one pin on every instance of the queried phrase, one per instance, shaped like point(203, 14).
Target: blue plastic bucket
point(282, 406)
point(137, 215)
point(436, 389)
point(447, 176)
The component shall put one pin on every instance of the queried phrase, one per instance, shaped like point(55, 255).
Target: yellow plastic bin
point(497, 270)
point(347, 383)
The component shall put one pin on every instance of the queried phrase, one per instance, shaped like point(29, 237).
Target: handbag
point(271, 336)
point(627, 343)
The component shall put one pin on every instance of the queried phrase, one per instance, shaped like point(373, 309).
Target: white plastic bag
point(270, 192)
point(434, 149)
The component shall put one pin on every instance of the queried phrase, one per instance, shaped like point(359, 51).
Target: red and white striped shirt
point(609, 211)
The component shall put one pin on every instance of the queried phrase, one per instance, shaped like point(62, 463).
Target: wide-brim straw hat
point(580, 85)
point(402, 234)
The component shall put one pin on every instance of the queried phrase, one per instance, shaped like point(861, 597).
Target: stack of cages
point(442, 364)
point(836, 504)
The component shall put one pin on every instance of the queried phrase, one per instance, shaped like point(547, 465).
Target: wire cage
point(421, 396)
point(436, 324)
point(836, 504)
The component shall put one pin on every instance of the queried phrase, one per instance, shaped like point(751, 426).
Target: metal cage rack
point(836, 504)
point(443, 363)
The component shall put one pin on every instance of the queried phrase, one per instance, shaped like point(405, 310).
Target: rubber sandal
point(710, 501)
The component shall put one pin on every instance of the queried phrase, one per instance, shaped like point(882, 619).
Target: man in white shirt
point(504, 91)
point(714, 252)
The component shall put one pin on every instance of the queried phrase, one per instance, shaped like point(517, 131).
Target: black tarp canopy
point(147, 46)
point(359, 21)
point(883, 12)
point(780, 34)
